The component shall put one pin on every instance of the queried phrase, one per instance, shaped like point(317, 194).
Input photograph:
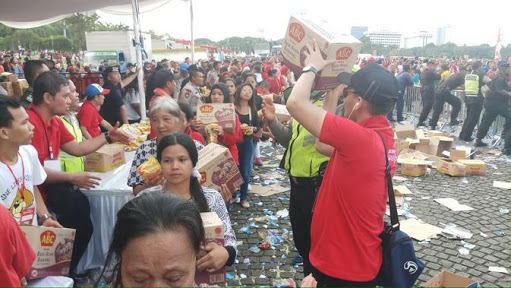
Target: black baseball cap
point(373, 83)
point(111, 69)
point(503, 64)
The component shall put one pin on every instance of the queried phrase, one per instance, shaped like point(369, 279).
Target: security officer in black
point(473, 101)
point(443, 94)
point(497, 103)
point(428, 79)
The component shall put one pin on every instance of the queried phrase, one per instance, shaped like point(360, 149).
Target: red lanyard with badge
point(20, 208)
point(53, 164)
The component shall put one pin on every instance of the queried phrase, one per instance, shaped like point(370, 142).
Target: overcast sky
point(471, 23)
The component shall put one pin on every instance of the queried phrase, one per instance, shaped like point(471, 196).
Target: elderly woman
point(166, 118)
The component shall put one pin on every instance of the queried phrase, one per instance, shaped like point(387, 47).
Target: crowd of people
point(335, 143)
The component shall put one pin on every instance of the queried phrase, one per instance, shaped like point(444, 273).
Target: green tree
point(78, 24)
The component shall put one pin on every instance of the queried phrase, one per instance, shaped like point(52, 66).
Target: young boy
point(20, 169)
point(89, 117)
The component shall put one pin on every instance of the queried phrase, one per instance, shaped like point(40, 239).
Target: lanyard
point(14, 175)
point(48, 142)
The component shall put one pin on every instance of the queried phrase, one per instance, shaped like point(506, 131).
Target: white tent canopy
point(29, 13)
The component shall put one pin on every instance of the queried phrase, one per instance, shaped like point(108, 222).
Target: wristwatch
point(107, 137)
point(310, 69)
point(43, 218)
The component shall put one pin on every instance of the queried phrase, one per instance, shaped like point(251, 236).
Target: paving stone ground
point(267, 267)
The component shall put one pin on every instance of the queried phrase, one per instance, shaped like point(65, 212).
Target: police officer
point(305, 167)
point(428, 78)
point(496, 103)
point(443, 94)
point(473, 99)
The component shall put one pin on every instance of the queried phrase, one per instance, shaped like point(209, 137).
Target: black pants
point(438, 106)
point(73, 211)
point(303, 195)
point(474, 108)
point(428, 98)
point(327, 281)
point(492, 110)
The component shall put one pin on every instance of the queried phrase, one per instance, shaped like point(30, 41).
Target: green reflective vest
point(68, 162)
point(302, 159)
point(472, 84)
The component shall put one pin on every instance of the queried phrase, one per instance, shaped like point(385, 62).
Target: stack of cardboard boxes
point(15, 87)
point(418, 150)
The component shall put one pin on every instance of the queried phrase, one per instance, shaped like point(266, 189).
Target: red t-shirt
point(351, 203)
point(89, 117)
point(47, 135)
point(16, 255)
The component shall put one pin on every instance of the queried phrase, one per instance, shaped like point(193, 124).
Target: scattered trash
point(282, 213)
point(453, 204)
point(243, 276)
point(246, 261)
point(419, 230)
point(284, 283)
point(254, 249)
point(246, 230)
point(502, 184)
point(483, 234)
point(409, 215)
point(262, 276)
point(464, 251)
point(425, 242)
point(229, 276)
point(426, 197)
point(467, 245)
point(464, 180)
point(498, 269)
point(504, 210)
point(456, 232)
point(498, 232)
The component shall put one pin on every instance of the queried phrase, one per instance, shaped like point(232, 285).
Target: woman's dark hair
point(233, 82)
point(47, 82)
point(222, 88)
point(30, 69)
point(152, 212)
point(187, 142)
point(247, 74)
point(251, 102)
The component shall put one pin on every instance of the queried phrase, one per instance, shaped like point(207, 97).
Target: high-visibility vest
point(302, 159)
point(472, 84)
point(70, 163)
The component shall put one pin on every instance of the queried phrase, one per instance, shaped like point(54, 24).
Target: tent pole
point(191, 32)
point(138, 48)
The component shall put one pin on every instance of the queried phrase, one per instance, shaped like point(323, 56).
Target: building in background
point(385, 38)
point(418, 39)
point(358, 31)
point(443, 35)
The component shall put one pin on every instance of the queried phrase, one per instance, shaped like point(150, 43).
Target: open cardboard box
point(449, 279)
point(452, 168)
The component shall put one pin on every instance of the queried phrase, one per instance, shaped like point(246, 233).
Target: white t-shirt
point(22, 204)
point(132, 97)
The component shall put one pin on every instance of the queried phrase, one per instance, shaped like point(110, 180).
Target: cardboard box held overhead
point(214, 233)
point(53, 248)
point(217, 167)
point(341, 47)
point(449, 279)
point(222, 114)
point(108, 157)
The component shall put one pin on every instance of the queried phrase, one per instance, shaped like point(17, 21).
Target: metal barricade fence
point(413, 108)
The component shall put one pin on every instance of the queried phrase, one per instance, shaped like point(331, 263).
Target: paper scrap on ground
point(456, 232)
point(419, 230)
point(272, 176)
point(453, 204)
point(399, 212)
point(402, 190)
point(279, 156)
point(498, 269)
point(267, 190)
point(399, 178)
point(502, 184)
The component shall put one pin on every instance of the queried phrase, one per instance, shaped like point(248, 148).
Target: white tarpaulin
point(29, 13)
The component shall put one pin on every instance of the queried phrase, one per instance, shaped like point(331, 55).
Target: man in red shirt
point(350, 205)
point(51, 99)
point(89, 116)
point(16, 255)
